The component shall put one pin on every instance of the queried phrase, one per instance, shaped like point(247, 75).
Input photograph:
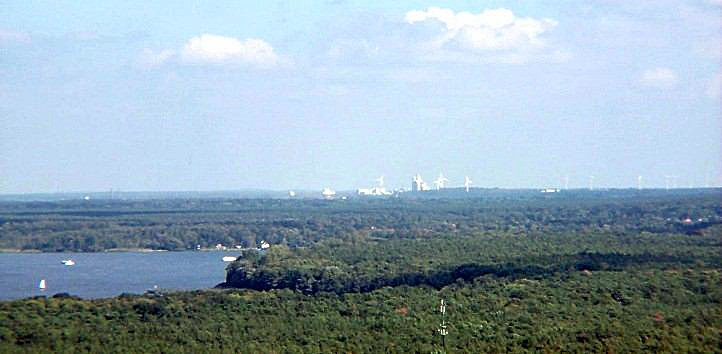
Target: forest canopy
point(582, 272)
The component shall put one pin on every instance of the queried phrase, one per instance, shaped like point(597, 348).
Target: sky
point(180, 95)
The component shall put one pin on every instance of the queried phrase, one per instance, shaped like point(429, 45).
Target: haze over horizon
point(278, 95)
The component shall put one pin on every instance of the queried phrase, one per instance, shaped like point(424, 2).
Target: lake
point(99, 275)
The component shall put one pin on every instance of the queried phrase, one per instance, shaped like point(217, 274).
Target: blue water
point(99, 275)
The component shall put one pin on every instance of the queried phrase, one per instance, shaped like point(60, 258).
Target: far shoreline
point(17, 250)
point(115, 250)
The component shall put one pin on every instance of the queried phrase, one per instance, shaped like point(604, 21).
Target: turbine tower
point(467, 183)
point(667, 179)
point(639, 182)
point(380, 180)
point(591, 183)
point(440, 181)
point(566, 182)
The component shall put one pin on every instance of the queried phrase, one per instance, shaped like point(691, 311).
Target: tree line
point(177, 225)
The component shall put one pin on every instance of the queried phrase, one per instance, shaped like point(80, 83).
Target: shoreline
point(18, 250)
point(111, 250)
point(116, 250)
point(139, 250)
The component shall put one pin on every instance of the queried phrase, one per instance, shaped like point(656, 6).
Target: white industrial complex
point(417, 185)
point(376, 190)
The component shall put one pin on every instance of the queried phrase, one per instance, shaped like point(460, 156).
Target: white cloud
point(208, 48)
point(489, 30)
point(659, 77)
point(715, 86)
point(151, 58)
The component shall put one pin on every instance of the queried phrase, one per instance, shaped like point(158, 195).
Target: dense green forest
point(360, 265)
point(672, 310)
point(520, 272)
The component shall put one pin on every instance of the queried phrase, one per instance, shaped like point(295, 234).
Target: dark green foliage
point(360, 265)
point(674, 310)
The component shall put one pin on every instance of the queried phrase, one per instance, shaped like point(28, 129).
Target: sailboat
point(42, 286)
point(68, 262)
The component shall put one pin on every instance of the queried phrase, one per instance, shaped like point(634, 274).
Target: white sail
point(41, 286)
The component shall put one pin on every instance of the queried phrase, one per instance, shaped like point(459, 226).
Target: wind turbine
point(380, 180)
point(566, 182)
point(667, 179)
point(591, 183)
point(639, 182)
point(467, 183)
point(440, 181)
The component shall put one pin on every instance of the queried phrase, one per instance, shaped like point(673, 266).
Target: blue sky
point(302, 95)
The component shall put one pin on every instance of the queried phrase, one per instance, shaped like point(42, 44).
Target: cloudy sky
point(171, 95)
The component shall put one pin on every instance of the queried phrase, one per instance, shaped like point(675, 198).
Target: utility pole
point(442, 330)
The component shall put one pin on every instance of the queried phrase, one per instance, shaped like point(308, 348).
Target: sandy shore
point(17, 250)
point(133, 250)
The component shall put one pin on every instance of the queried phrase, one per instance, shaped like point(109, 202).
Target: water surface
point(99, 275)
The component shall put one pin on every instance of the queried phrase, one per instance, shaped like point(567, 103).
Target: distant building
point(549, 190)
point(377, 190)
point(418, 184)
point(373, 191)
point(328, 193)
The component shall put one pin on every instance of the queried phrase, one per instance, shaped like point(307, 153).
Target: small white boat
point(68, 262)
point(41, 286)
point(229, 259)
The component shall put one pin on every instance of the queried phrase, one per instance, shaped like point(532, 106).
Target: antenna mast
point(442, 330)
